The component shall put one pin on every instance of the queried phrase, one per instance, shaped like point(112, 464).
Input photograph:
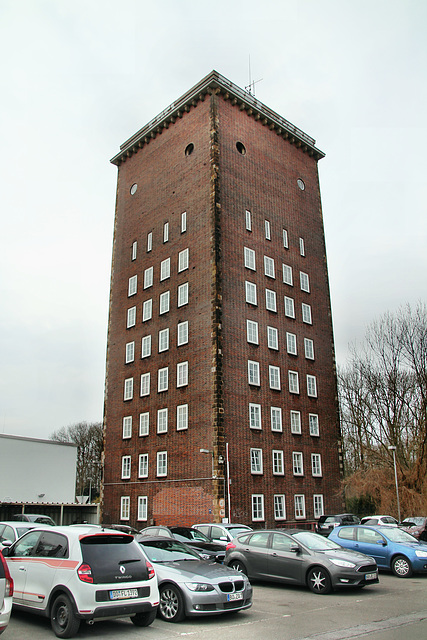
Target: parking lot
point(391, 610)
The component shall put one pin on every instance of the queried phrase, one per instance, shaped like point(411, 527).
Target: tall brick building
point(220, 386)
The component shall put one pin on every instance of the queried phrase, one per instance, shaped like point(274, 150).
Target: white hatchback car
point(6, 592)
point(74, 573)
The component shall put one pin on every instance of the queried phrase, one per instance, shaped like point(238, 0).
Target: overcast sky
point(79, 77)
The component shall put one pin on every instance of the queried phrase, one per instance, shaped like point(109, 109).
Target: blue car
point(391, 547)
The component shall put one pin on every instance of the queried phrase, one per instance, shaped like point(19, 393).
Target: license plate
point(371, 576)
point(122, 594)
point(234, 596)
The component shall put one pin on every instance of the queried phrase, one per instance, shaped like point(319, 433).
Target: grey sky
point(81, 76)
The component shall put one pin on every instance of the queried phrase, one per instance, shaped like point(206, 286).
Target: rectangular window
point(287, 275)
point(297, 463)
point(249, 256)
point(272, 338)
point(269, 267)
point(313, 423)
point(295, 422)
point(267, 230)
point(299, 502)
point(182, 333)
point(291, 343)
point(270, 300)
point(148, 278)
point(304, 282)
point(145, 384)
point(183, 294)
point(278, 463)
point(316, 464)
point(147, 310)
point(318, 505)
point(311, 386)
point(301, 247)
point(182, 417)
point(309, 348)
point(285, 239)
point(182, 374)
point(124, 507)
point(183, 222)
point(142, 508)
point(257, 507)
point(276, 418)
point(252, 331)
point(162, 379)
point(250, 289)
point(134, 249)
point(166, 232)
point(248, 221)
point(306, 313)
point(126, 464)
point(183, 260)
point(165, 269)
point(279, 507)
point(128, 392)
point(144, 423)
point(127, 427)
point(289, 307)
point(253, 372)
point(254, 416)
point(162, 463)
point(149, 241)
point(256, 461)
point(293, 381)
point(146, 347)
point(130, 352)
point(164, 302)
point(162, 420)
point(274, 377)
point(131, 317)
point(163, 340)
point(143, 465)
point(132, 286)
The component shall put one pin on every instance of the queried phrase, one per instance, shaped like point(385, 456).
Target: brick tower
point(220, 395)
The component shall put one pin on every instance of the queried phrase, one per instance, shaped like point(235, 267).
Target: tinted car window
point(52, 545)
point(259, 539)
point(107, 554)
point(25, 546)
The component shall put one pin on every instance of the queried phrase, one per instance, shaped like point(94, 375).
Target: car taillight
point(85, 573)
point(150, 568)
point(230, 545)
point(8, 589)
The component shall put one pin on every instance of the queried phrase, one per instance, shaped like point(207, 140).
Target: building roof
point(39, 440)
point(214, 82)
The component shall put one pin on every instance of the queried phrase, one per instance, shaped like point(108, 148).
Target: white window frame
point(131, 317)
point(304, 281)
point(164, 302)
point(309, 348)
point(142, 508)
point(182, 294)
point(255, 416)
point(148, 277)
point(269, 269)
point(248, 220)
point(146, 346)
point(256, 461)
point(132, 286)
point(311, 386)
point(124, 508)
point(278, 460)
point(145, 384)
point(267, 227)
point(270, 300)
point(297, 463)
point(163, 379)
point(253, 373)
point(147, 310)
point(285, 239)
point(306, 313)
point(250, 293)
point(302, 247)
point(279, 506)
point(272, 338)
point(182, 374)
point(143, 465)
point(134, 250)
point(130, 352)
point(295, 418)
point(291, 343)
point(161, 464)
point(182, 417)
point(183, 222)
point(144, 423)
point(293, 381)
point(163, 340)
point(287, 275)
point(257, 500)
point(126, 467)
point(166, 232)
point(183, 260)
point(276, 419)
point(149, 241)
point(249, 258)
point(128, 389)
point(274, 377)
point(299, 506)
point(313, 424)
point(182, 333)
point(162, 420)
point(252, 331)
point(318, 506)
point(316, 465)
point(127, 427)
point(289, 307)
point(165, 269)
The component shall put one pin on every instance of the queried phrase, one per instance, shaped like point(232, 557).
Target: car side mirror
point(224, 538)
point(381, 542)
point(294, 548)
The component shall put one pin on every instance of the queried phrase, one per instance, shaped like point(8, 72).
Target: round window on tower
point(133, 189)
point(189, 149)
point(241, 148)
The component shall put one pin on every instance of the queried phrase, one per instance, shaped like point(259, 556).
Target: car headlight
point(342, 563)
point(199, 586)
point(420, 554)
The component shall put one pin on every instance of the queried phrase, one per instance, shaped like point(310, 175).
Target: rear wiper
point(130, 560)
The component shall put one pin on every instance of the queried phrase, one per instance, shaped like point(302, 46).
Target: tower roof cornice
point(215, 83)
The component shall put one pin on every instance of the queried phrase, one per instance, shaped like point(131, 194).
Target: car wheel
point(171, 606)
point(319, 581)
point(144, 619)
point(238, 566)
point(401, 567)
point(63, 620)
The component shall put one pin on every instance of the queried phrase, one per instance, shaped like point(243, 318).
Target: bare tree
point(89, 440)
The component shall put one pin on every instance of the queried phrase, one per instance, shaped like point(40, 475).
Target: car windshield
point(315, 542)
point(234, 531)
point(191, 534)
point(168, 551)
point(397, 535)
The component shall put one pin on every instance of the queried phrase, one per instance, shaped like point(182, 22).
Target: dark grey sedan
point(300, 557)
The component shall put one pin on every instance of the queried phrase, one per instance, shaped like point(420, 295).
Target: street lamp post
point(393, 449)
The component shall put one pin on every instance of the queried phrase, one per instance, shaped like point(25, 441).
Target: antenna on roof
point(250, 88)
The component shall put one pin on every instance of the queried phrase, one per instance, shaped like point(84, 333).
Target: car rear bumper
point(117, 611)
